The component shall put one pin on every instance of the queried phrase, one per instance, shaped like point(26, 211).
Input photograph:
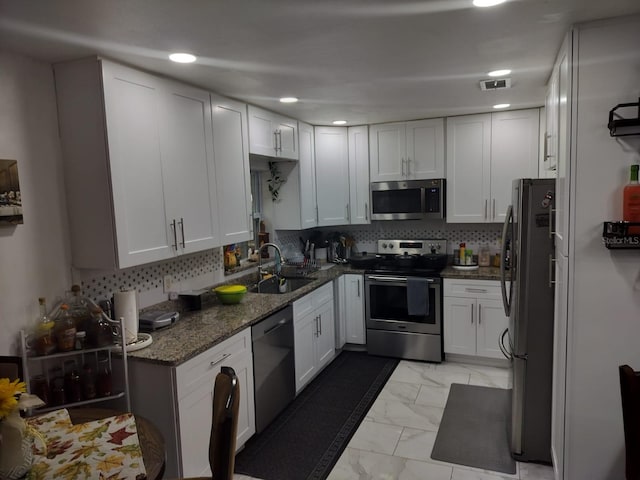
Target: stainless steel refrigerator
point(527, 258)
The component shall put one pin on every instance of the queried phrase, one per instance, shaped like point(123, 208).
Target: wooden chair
point(630, 393)
point(224, 424)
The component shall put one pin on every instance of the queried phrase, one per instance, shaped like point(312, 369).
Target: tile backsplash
point(206, 268)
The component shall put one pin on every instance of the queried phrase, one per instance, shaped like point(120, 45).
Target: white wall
point(34, 257)
point(604, 330)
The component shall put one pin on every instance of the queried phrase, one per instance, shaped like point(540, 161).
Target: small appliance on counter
point(155, 319)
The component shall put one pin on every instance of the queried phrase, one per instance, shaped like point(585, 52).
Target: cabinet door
point(491, 323)
point(188, 168)
point(243, 366)
point(564, 141)
point(132, 103)
point(287, 136)
point(341, 310)
point(425, 149)
point(325, 341)
point(551, 114)
point(307, 175)
point(468, 168)
point(262, 135)
point(387, 147)
point(305, 332)
point(354, 309)
point(459, 324)
point(359, 175)
point(233, 182)
point(195, 415)
point(332, 175)
point(514, 154)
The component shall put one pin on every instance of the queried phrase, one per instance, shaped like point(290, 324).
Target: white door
point(332, 175)
point(354, 309)
point(359, 175)
point(459, 324)
point(387, 147)
point(188, 168)
point(514, 154)
point(262, 135)
point(132, 109)
point(233, 178)
point(326, 341)
point(305, 332)
point(307, 175)
point(287, 134)
point(243, 366)
point(195, 412)
point(468, 168)
point(491, 323)
point(425, 149)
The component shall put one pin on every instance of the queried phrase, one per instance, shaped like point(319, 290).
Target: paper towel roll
point(125, 306)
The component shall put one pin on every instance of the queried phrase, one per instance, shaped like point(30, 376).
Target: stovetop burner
point(424, 258)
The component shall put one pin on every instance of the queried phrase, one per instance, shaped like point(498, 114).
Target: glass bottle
point(45, 342)
point(65, 330)
point(72, 385)
point(88, 382)
point(40, 388)
point(79, 308)
point(99, 331)
point(58, 396)
point(104, 380)
point(631, 201)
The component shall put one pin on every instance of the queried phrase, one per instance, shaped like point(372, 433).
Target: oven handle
point(385, 278)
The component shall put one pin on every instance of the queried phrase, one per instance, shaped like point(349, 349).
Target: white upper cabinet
point(233, 178)
point(485, 153)
point(359, 175)
point(272, 135)
point(187, 168)
point(407, 151)
point(332, 175)
point(296, 206)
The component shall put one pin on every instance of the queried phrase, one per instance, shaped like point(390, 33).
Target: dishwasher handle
point(272, 322)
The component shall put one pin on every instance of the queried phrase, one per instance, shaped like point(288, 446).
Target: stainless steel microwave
point(408, 200)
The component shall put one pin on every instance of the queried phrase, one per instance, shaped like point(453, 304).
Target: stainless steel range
point(403, 293)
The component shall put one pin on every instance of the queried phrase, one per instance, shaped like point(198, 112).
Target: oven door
point(387, 306)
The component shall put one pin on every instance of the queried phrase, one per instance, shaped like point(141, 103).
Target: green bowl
point(230, 294)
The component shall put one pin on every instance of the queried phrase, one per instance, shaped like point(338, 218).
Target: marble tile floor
point(396, 437)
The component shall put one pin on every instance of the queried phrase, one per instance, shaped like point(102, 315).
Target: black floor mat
point(307, 438)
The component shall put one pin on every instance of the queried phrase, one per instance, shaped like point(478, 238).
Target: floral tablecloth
point(106, 449)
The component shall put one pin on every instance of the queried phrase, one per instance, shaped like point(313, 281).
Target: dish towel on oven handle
point(417, 296)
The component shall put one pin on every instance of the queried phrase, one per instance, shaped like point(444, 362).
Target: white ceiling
point(364, 61)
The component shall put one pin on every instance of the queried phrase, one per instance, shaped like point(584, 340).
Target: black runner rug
point(307, 438)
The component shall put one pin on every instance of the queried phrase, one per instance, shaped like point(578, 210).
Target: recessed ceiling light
point(339, 122)
point(182, 58)
point(288, 99)
point(499, 73)
point(502, 105)
point(487, 3)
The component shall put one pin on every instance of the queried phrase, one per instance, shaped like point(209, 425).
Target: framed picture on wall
point(10, 197)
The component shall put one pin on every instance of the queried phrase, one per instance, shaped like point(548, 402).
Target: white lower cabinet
point(351, 309)
point(179, 402)
point(474, 318)
point(314, 337)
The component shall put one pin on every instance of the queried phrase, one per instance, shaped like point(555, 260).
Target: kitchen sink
point(271, 285)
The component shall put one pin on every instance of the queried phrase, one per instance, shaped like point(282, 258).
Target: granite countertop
point(198, 331)
point(481, 273)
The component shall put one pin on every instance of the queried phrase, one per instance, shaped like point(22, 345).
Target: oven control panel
point(412, 247)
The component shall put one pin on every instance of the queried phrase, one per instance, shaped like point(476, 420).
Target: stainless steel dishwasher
point(273, 365)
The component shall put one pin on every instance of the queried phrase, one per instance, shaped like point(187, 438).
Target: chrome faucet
point(279, 260)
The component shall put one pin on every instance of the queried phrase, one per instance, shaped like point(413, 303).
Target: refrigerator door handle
point(506, 300)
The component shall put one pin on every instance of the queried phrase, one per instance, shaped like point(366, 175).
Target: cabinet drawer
point(489, 289)
point(303, 306)
point(323, 294)
point(203, 368)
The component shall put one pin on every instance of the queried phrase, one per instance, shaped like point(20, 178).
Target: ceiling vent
point(495, 84)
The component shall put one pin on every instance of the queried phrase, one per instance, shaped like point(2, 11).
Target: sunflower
point(9, 393)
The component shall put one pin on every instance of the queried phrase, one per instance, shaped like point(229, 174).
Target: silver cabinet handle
point(408, 166)
point(552, 216)
point(471, 314)
point(279, 133)
point(479, 314)
point(485, 208)
point(275, 140)
point(347, 211)
point(317, 328)
point(552, 280)
point(366, 211)
point(215, 362)
point(320, 323)
point(317, 215)
point(494, 209)
point(181, 222)
point(475, 290)
point(358, 288)
point(175, 235)
point(402, 165)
